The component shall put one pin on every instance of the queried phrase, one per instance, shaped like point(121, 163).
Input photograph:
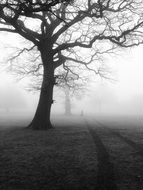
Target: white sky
point(129, 67)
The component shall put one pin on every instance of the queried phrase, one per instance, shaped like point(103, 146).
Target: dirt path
point(105, 177)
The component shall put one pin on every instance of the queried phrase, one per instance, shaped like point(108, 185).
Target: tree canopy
point(73, 25)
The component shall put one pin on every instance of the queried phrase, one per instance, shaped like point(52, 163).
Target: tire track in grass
point(139, 151)
point(105, 176)
point(138, 147)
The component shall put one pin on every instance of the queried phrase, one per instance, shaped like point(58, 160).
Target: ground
point(87, 153)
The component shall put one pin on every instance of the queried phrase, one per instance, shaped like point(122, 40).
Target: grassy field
point(61, 158)
point(79, 153)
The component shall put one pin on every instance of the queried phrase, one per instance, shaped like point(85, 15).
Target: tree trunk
point(41, 120)
point(67, 102)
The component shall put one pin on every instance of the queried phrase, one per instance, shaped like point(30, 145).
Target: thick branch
point(7, 30)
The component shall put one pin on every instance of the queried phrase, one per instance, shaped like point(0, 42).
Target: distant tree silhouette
point(104, 99)
point(67, 30)
point(72, 86)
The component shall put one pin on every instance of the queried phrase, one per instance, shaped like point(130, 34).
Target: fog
point(121, 97)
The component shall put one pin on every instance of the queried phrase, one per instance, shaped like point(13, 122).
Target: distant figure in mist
point(82, 113)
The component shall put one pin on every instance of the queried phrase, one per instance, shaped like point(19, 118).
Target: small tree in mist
point(104, 99)
point(72, 85)
point(64, 30)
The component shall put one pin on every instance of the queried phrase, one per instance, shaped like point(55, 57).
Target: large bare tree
point(64, 30)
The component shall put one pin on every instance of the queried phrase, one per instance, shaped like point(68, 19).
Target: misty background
point(120, 95)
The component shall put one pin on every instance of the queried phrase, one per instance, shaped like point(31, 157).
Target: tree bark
point(41, 120)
